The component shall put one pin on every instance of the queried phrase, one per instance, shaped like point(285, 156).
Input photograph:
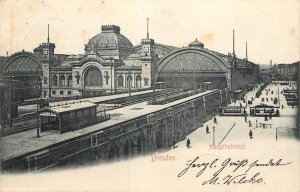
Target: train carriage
point(264, 110)
point(232, 111)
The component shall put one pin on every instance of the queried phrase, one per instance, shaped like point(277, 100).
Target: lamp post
point(194, 78)
point(37, 103)
point(111, 66)
point(153, 82)
point(214, 128)
point(129, 83)
point(278, 97)
point(10, 99)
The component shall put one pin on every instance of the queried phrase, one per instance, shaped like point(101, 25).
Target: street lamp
point(153, 82)
point(278, 97)
point(214, 128)
point(194, 78)
point(37, 103)
point(111, 80)
point(10, 98)
point(129, 83)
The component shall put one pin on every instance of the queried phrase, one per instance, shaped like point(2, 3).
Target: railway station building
point(112, 64)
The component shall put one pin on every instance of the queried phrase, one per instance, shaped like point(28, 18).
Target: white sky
point(270, 27)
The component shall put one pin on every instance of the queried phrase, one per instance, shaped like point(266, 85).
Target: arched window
point(54, 80)
point(129, 81)
point(138, 80)
point(62, 80)
point(120, 81)
point(93, 78)
point(70, 81)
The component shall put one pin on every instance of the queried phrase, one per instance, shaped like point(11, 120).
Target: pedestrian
point(207, 129)
point(281, 106)
point(266, 118)
point(250, 124)
point(246, 118)
point(256, 123)
point(250, 134)
point(174, 143)
point(215, 120)
point(188, 143)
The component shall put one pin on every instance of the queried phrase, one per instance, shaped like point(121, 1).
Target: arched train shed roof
point(22, 63)
point(188, 59)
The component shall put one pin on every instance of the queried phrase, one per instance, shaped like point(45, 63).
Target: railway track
point(24, 118)
point(20, 128)
point(165, 94)
point(12, 131)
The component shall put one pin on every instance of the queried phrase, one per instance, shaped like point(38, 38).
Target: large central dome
point(109, 39)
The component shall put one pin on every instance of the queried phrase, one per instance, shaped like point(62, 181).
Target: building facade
point(111, 64)
point(287, 71)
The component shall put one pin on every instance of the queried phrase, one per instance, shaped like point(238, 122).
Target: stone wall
point(145, 134)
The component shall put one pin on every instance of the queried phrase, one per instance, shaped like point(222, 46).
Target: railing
point(103, 117)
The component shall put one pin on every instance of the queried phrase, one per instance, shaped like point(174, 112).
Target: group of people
point(207, 128)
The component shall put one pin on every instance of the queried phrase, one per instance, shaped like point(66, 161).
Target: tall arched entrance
point(113, 152)
point(22, 74)
point(160, 140)
point(141, 143)
point(128, 148)
point(93, 78)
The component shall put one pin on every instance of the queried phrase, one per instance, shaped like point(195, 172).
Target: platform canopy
point(69, 107)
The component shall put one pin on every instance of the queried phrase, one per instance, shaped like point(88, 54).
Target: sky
point(271, 27)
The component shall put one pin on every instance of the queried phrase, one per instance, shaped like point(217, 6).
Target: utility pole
point(246, 51)
point(37, 104)
point(49, 74)
point(129, 83)
point(214, 129)
point(233, 46)
point(147, 28)
point(111, 78)
point(194, 79)
point(278, 98)
point(10, 100)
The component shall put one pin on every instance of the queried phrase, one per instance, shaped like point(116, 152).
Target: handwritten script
point(237, 171)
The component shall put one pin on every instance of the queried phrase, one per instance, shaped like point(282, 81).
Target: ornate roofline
point(89, 59)
point(157, 45)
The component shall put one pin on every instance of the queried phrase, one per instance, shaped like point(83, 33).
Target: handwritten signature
point(234, 177)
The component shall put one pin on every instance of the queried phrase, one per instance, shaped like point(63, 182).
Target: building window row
point(62, 92)
point(129, 81)
point(61, 80)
